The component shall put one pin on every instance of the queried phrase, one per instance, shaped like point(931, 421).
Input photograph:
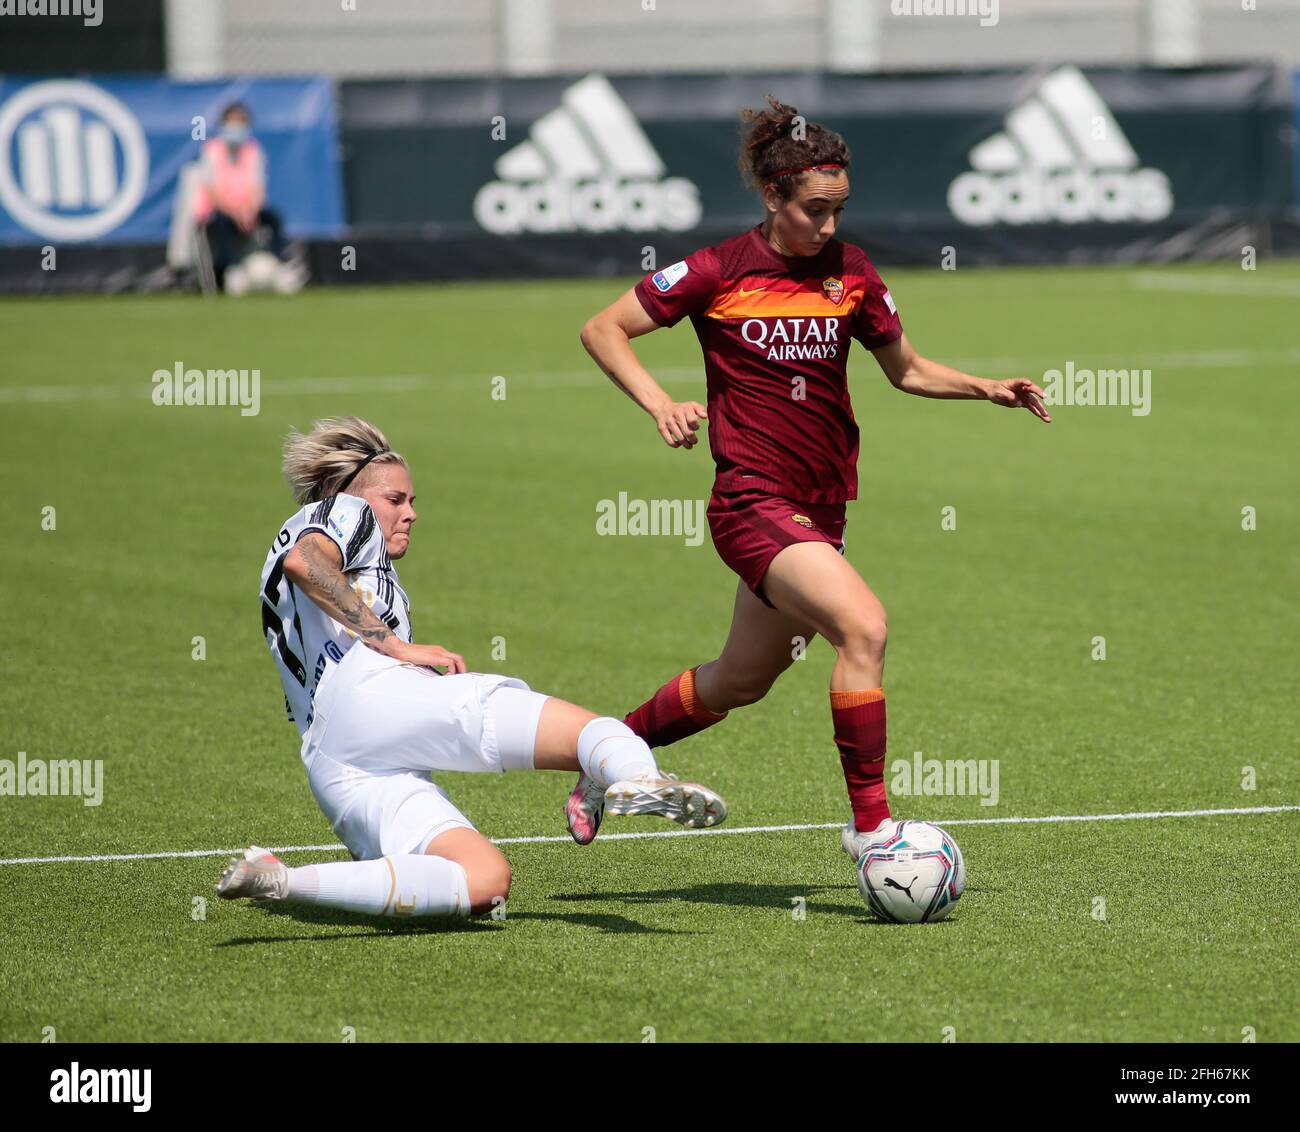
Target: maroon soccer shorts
point(750, 528)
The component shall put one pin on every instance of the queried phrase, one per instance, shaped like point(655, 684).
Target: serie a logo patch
point(833, 289)
point(669, 275)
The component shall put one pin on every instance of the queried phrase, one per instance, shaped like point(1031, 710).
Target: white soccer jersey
point(303, 638)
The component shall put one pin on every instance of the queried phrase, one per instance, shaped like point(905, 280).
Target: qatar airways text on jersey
point(793, 339)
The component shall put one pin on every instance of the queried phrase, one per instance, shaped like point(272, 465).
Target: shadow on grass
point(375, 926)
point(774, 896)
point(602, 921)
point(777, 897)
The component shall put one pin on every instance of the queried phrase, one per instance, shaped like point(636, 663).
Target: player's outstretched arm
point(315, 566)
point(911, 373)
point(607, 337)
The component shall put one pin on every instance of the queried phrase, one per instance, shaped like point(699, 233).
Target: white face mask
point(234, 132)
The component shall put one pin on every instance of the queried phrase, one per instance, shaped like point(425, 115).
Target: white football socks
point(610, 751)
point(410, 885)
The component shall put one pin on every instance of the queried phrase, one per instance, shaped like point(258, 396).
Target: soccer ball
point(261, 271)
point(912, 873)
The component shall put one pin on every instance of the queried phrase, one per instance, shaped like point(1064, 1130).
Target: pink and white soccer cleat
point(687, 803)
point(584, 809)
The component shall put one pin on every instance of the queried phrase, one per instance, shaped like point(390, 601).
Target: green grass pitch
point(1103, 524)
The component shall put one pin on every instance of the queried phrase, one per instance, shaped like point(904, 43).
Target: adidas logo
point(587, 166)
point(1062, 157)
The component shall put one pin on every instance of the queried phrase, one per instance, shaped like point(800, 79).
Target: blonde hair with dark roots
point(319, 462)
point(769, 145)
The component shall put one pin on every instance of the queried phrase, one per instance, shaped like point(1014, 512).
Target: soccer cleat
point(686, 803)
point(260, 875)
point(855, 843)
point(584, 809)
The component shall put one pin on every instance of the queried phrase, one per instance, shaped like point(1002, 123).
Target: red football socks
point(859, 719)
point(672, 713)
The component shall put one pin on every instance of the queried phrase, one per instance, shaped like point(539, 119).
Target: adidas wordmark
point(586, 166)
point(1062, 158)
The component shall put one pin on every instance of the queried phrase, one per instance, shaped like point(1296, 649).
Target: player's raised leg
point(401, 718)
point(674, 712)
point(762, 643)
point(618, 772)
point(813, 582)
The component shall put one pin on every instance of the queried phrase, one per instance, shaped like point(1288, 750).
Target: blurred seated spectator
point(229, 204)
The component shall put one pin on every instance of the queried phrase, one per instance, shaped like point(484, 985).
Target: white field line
point(1249, 285)
point(1181, 359)
point(414, 383)
point(295, 386)
point(1050, 820)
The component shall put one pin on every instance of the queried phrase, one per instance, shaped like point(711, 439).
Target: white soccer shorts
point(381, 726)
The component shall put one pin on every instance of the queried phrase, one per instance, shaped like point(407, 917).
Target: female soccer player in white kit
point(376, 717)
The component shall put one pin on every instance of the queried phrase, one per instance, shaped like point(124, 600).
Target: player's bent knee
point(487, 872)
point(733, 689)
point(489, 886)
point(489, 875)
point(749, 690)
point(864, 638)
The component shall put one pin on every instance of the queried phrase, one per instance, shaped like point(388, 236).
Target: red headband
point(805, 168)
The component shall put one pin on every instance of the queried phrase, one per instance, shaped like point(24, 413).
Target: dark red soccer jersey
point(775, 331)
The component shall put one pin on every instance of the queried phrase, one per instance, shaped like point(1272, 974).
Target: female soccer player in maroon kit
point(775, 309)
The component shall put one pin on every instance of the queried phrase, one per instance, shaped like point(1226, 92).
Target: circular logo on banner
point(73, 160)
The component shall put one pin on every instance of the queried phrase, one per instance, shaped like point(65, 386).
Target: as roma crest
point(834, 289)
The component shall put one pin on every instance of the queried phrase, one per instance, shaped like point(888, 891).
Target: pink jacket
point(229, 185)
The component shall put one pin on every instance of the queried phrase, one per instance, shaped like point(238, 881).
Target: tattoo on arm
point(329, 580)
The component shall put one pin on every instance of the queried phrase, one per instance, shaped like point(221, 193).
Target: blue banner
point(99, 160)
